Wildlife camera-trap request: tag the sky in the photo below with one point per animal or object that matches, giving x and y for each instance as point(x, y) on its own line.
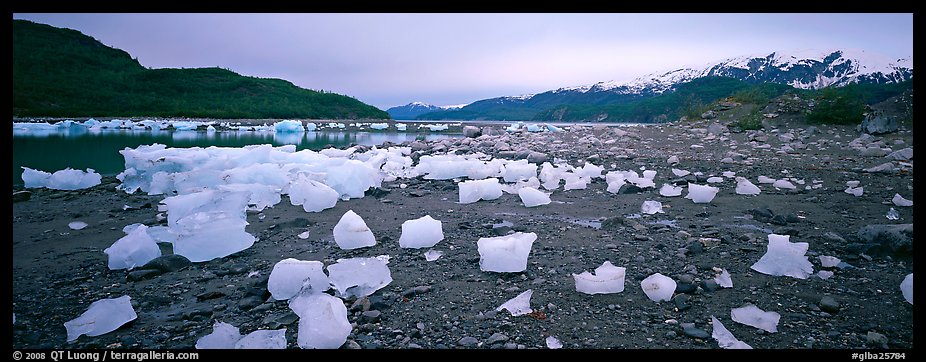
point(446, 59)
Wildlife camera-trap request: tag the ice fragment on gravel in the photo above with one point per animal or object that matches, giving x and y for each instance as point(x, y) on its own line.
point(263, 339)
point(701, 194)
point(77, 225)
point(751, 315)
point(892, 214)
point(827, 261)
point(132, 250)
point(824, 274)
point(519, 305)
point(607, 279)
point(432, 255)
point(784, 258)
point(680, 173)
point(906, 287)
point(855, 191)
point(651, 207)
point(423, 232)
point(223, 336)
point(66, 179)
point(724, 338)
point(359, 277)
point(901, 201)
point(553, 343)
point(744, 187)
point(723, 279)
point(472, 191)
point(658, 287)
point(519, 170)
point(505, 254)
point(303, 235)
point(291, 276)
point(549, 176)
point(670, 191)
point(766, 180)
point(715, 179)
point(784, 184)
point(323, 321)
point(314, 196)
point(672, 160)
point(574, 182)
point(532, 197)
point(103, 316)
point(351, 232)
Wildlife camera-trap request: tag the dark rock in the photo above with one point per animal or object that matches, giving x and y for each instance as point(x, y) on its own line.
point(191, 315)
point(236, 269)
point(497, 338)
point(167, 263)
point(508, 154)
point(686, 288)
point(263, 307)
point(351, 344)
point(779, 220)
point(886, 239)
point(690, 330)
point(380, 302)
point(249, 302)
point(876, 339)
point(421, 289)
point(695, 248)
point(128, 341)
point(905, 154)
point(829, 304)
point(137, 275)
point(377, 192)
point(471, 131)
point(681, 302)
point(709, 285)
point(708, 115)
point(877, 123)
point(629, 189)
point(716, 129)
point(468, 341)
point(417, 193)
point(20, 196)
point(360, 305)
point(371, 316)
point(501, 230)
point(209, 295)
point(762, 214)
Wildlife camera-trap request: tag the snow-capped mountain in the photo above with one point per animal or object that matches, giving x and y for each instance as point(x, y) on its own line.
point(414, 109)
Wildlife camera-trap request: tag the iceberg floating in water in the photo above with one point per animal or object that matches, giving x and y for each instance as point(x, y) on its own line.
point(223, 336)
point(519, 305)
point(700, 194)
point(724, 337)
point(751, 315)
point(900, 201)
point(351, 232)
point(744, 187)
point(532, 197)
point(263, 339)
point(423, 232)
point(906, 287)
point(505, 254)
point(323, 321)
point(670, 191)
point(132, 250)
point(66, 179)
point(607, 279)
point(359, 277)
point(472, 191)
point(103, 316)
point(784, 258)
point(288, 126)
point(651, 207)
point(658, 287)
point(291, 277)
point(379, 126)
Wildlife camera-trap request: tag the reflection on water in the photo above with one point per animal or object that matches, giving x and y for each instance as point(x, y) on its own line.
point(55, 148)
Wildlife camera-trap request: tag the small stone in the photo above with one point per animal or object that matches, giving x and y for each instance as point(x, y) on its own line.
point(167, 263)
point(829, 304)
point(248, 303)
point(468, 341)
point(497, 338)
point(690, 330)
point(687, 288)
point(263, 307)
point(681, 302)
point(371, 316)
point(421, 289)
point(834, 237)
point(537, 157)
point(709, 285)
point(209, 295)
point(876, 339)
point(137, 275)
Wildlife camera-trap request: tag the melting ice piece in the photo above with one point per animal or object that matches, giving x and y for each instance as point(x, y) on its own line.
point(892, 214)
point(607, 279)
point(314, 196)
point(589, 171)
point(77, 225)
point(552, 342)
point(475, 190)
point(900, 201)
point(532, 197)
point(715, 179)
point(519, 170)
point(906, 287)
point(549, 176)
point(323, 321)
point(784, 258)
point(824, 274)
point(505, 254)
point(724, 338)
point(263, 339)
point(291, 276)
point(66, 179)
point(303, 235)
point(103, 316)
point(132, 250)
point(651, 207)
point(432, 255)
point(423, 232)
point(766, 180)
point(680, 173)
point(204, 236)
point(519, 305)
point(649, 174)
point(359, 277)
point(751, 315)
point(744, 187)
point(701, 194)
point(351, 232)
point(670, 191)
point(288, 126)
point(723, 279)
point(223, 336)
point(783, 184)
point(853, 183)
point(658, 287)
point(855, 191)
point(729, 174)
point(827, 261)
point(574, 182)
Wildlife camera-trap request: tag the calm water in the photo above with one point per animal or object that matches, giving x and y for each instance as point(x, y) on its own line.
point(80, 149)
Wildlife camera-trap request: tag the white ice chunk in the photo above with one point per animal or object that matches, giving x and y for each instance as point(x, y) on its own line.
point(853, 183)
point(432, 255)
point(205, 236)
point(532, 197)
point(825, 274)
point(672, 160)
point(744, 187)
point(505, 254)
point(519, 305)
point(701, 194)
point(723, 279)
point(553, 343)
point(906, 287)
point(680, 173)
point(352, 232)
point(607, 279)
point(379, 126)
point(303, 235)
point(783, 184)
point(892, 214)
point(223, 336)
point(314, 196)
point(323, 321)
point(589, 171)
point(715, 179)
point(77, 225)
point(66, 179)
point(472, 191)
point(766, 180)
point(574, 182)
point(649, 174)
point(103, 316)
point(132, 250)
point(855, 191)
point(784, 258)
point(729, 174)
point(651, 207)
point(359, 277)
point(724, 337)
point(288, 126)
point(291, 276)
point(423, 232)
point(827, 261)
point(263, 339)
point(901, 201)
point(751, 315)
point(549, 176)
point(670, 190)
point(615, 180)
point(658, 287)
point(310, 126)
point(519, 170)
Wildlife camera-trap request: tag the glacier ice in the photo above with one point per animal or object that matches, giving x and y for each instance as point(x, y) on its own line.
point(751, 315)
point(744, 187)
point(827, 261)
point(670, 191)
point(680, 173)
point(651, 207)
point(615, 180)
point(714, 179)
point(658, 287)
point(824, 274)
point(103, 316)
point(589, 170)
point(607, 279)
point(351, 232)
point(766, 180)
point(132, 250)
point(532, 197)
point(783, 184)
point(303, 235)
point(379, 126)
point(311, 126)
point(901, 201)
point(892, 214)
point(432, 255)
point(66, 179)
point(223, 336)
point(784, 258)
point(553, 343)
point(401, 127)
point(519, 305)
point(472, 191)
point(314, 196)
point(291, 277)
point(288, 126)
point(323, 321)
point(723, 279)
point(263, 339)
point(77, 225)
point(359, 277)
point(724, 337)
point(204, 236)
point(505, 254)
point(574, 182)
point(701, 194)
point(855, 191)
point(423, 232)
point(519, 170)
point(906, 287)
point(549, 176)
point(649, 174)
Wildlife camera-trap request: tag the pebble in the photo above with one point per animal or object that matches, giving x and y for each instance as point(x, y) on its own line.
point(421, 289)
point(497, 338)
point(829, 304)
point(681, 302)
point(249, 302)
point(371, 316)
point(690, 330)
point(468, 341)
point(351, 344)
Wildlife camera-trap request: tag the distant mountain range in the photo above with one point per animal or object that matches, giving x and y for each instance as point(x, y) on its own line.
point(800, 70)
point(415, 109)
